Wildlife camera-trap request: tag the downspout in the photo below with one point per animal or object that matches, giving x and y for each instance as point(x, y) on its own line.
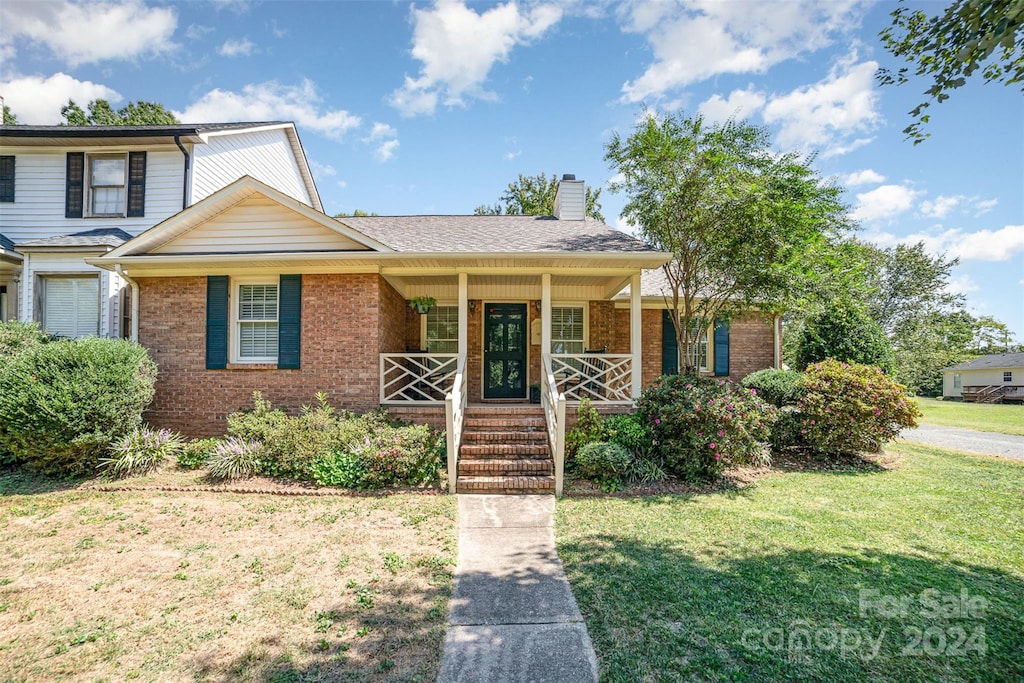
point(184, 178)
point(135, 300)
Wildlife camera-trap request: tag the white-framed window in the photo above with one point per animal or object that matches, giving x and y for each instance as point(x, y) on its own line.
point(441, 329)
point(108, 181)
point(568, 329)
point(957, 382)
point(70, 305)
point(254, 313)
point(700, 348)
point(1007, 376)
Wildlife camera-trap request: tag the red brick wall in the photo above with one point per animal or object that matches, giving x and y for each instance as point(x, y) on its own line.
point(603, 324)
point(393, 329)
point(342, 334)
point(475, 355)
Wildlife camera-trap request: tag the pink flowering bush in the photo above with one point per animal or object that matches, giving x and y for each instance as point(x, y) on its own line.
point(701, 425)
point(849, 408)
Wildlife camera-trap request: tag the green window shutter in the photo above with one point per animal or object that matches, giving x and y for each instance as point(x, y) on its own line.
point(7, 178)
point(669, 346)
point(75, 185)
point(721, 348)
point(216, 322)
point(136, 184)
point(289, 330)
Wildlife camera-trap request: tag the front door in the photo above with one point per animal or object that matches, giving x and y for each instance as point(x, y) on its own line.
point(505, 351)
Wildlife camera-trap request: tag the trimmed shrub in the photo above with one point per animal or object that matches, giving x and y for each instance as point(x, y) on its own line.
point(847, 333)
point(630, 431)
point(778, 387)
point(605, 463)
point(141, 451)
point(17, 337)
point(850, 407)
point(403, 455)
point(235, 458)
point(701, 425)
point(63, 403)
point(194, 454)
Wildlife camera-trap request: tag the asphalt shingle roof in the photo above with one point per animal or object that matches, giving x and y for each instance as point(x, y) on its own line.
point(992, 362)
point(99, 237)
point(487, 234)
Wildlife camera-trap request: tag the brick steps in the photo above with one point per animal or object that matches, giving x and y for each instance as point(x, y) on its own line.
point(504, 450)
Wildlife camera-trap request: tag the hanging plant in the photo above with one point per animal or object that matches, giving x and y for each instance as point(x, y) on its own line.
point(422, 304)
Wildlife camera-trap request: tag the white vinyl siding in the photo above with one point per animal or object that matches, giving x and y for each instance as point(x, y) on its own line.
point(567, 329)
point(442, 333)
point(256, 322)
point(39, 211)
point(71, 306)
point(957, 383)
point(108, 179)
point(265, 155)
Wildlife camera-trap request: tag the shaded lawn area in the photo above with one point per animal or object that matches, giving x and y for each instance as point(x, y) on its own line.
point(151, 585)
point(765, 582)
point(985, 417)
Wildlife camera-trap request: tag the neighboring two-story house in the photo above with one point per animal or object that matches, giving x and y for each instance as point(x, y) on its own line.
point(71, 193)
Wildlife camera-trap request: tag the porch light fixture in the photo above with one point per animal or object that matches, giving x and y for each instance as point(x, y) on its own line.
point(536, 304)
point(472, 306)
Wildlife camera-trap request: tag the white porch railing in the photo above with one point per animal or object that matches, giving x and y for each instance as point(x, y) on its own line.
point(424, 378)
point(455, 415)
point(553, 404)
point(601, 377)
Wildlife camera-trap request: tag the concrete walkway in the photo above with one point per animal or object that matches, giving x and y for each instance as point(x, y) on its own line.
point(512, 615)
point(970, 440)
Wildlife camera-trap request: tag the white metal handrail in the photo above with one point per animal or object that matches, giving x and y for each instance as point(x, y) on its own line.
point(455, 403)
point(416, 377)
point(601, 377)
point(553, 404)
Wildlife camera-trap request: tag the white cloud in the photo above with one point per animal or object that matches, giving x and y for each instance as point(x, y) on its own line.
point(512, 156)
point(980, 245)
point(321, 170)
point(381, 131)
point(983, 206)
point(866, 176)
point(237, 48)
point(90, 32)
point(741, 104)
point(942, 206)
point(342, 184)
point(961, 284)
point(830, 113)
point(272, 101)
point(385, 150)
point(457, 48)
point(37, 101)
point(197, 31)
point(694, 40)
point(884, 202)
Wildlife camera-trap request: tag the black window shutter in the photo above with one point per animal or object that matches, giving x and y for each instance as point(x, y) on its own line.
point(721, 348)
point(7, 178)
point(136, 184)
point(289, 322)
point(216, 322)
point(669, 346)
point(74, 193)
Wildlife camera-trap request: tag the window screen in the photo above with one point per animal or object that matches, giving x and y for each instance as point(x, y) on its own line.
point(106, 185)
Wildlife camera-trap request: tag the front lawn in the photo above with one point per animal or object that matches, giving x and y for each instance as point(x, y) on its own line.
point(909, 573)
point(199, 585)
point(985, 417)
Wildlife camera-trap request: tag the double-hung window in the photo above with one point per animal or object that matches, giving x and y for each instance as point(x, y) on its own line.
point(567, 329)
point(1007, 376)
point(70, 305)
point(107, 185)
point(442, 329)
point(700, 347)
point(256, 321)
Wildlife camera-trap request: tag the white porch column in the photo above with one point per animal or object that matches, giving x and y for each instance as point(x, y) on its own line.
point(463, 315)
point(635, 333)
point(545, 314)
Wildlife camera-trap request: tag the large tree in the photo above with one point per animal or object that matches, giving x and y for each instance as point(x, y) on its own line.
point(741, 221)
point(952, 46)
point(100, 113)
point(534, 195)
point(9, 118)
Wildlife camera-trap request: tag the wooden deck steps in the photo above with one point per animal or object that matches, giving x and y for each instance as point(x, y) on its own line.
point(505, 450)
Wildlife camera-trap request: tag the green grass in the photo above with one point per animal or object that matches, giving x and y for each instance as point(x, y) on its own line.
point(985, 417)
point(765, 582)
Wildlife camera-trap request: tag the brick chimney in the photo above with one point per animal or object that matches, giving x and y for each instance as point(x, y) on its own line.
point(570, 199)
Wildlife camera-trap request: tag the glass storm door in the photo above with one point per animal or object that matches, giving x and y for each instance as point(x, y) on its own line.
point(505, 351)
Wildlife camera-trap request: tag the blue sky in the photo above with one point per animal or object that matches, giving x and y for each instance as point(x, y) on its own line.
point(407, 108)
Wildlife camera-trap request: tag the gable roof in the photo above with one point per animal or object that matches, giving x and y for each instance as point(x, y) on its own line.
point(494, 234)
point(98, 237)
point(995, 361)
point(225, 199)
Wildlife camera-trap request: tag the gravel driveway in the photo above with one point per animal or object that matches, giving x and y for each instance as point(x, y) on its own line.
point(986, 443)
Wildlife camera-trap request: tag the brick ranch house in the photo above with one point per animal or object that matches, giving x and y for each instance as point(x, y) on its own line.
point(250, 289)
